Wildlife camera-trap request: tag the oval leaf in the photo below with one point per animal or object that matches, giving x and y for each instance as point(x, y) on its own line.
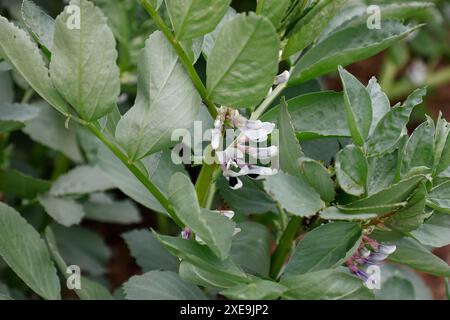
point(293, 194)
point(244, 61)
point(194, 18)
point(83, 66)
point(161, 285)
point(26, 253)
point(166, 100)
point(324, 248)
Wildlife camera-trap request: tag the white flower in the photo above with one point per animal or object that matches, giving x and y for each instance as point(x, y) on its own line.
point(256, 130)
point(233, 160)
point(282, 78)
point(262, 153)
point(216, 134)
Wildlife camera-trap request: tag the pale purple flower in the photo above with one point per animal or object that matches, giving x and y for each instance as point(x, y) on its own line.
point(186, 234)
point(370, 253)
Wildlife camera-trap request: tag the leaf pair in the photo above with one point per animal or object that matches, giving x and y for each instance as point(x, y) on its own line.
point(83, 71)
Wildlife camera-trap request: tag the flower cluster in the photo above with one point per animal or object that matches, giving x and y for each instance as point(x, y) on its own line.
point(370, 253)
point(242, 156)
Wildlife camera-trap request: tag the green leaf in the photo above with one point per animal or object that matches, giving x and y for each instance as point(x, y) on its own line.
point(439, 197)
point(84, 248)
point(48, 129)
point(22, 248)
point(156, 3)
point(293, 194)
point(210, 39)
point(244, 61)
point(103, 208)
point(251, 248)
point(39, 22)
point(352, 170)
point(194, 18)
point(204, 278)
point(397, 288)
point(15, 182)
point(325, 247)
point(214, 229)
point(161, 285)
point(65, 211)
point(345, 47)
point(148, 251)
point(421, 290)
point(411, 253)
point(13, 116)
point(319, 114)
point(275, 10)
point(250, 199)
point(358, 106)
point(311, 26)
point(416, 10)
point(325, 285)
point(81, 180)
point(83, 66)
point(382, 172)
point(387, 199)
point(258, 290)
point(193, 48)
point(380, 102)
point(324, 149)
point(6, 85)
point(4, 292)
point(333, 213)
point(319, 178)
point(419, 150)
point(24, 56)
point(435, 232)
point(442, 148)
point(290, 150)
point(392, 126)
point(159, 167)
point(201, 256)
point(166, 101)
point(412, 216)
point(89, 290)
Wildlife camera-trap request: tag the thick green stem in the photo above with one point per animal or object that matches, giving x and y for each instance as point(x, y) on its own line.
point(268, 101)
point(204, 183)
point(260, 7)
point(182, 55)
point(154, 190)
point(284, 246)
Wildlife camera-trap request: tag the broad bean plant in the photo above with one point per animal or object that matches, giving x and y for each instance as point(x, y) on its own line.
point(214, 124)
